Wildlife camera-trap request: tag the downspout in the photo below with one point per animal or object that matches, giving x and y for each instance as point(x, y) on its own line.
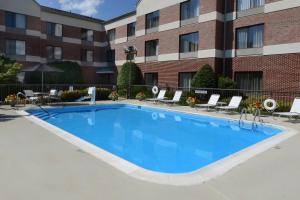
point(224, 38)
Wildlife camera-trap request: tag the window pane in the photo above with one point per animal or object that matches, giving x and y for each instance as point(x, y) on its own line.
point(189, 9)
point(20, 48)
point(90, 35)
point(131, 29)
point(111, 55)
point(242, 38)
point(20, 21)
point(152, 20)
point(89, 56)
point(249, 80)
point(58, 30)
point(50, 52)
point(185, 79)
point(10, 19)
point(111, 34)
point(152, 48)
point(10, 47)
point(151, 78)
point(250, 37)
point(57, 53)
point(248, 4)
point(189, 42)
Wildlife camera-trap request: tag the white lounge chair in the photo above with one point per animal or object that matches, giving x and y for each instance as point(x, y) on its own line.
point(175, 99)
point(233, 105)
point(294, 112)
point(213, 101)
point(54, 95)
point(161, 96)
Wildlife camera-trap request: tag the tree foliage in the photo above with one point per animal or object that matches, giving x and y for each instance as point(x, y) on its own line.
point(225, 82)
point(130, 73)
point(205, 78)
point(8, 70)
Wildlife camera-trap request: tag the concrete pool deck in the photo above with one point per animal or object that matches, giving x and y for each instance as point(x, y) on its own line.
point(36, 164)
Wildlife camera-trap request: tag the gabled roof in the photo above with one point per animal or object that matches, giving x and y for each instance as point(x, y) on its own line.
point(132, 13)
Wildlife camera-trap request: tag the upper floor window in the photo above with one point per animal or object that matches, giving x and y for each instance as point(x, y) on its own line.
point(131, 29)
point(248, 4)
point(111, 34)
point(15, 20)
point(111, 55)
point(189, 9)
point(54, 53)
point(152, 20)
point(87, 35)
point(87, 56)
point(250, 37)
point(189, 42)
point(151, 48)
point(54, 29)
point(15, 47)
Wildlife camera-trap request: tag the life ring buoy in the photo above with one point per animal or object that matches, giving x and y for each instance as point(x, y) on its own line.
point(154, 116)
point(155, 90)
point(270, 104)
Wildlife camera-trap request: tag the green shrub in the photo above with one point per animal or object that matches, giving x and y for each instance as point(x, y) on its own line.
point(101, 94)
point(226, 83)
point(8, 70)
point(70, 96)
point(130, 72)
point(204, 78)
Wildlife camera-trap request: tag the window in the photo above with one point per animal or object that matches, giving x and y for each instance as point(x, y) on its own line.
point(185, 79)
point(249, 80)
point(131, 56)
point(131, 29)
point(250, 37)
point(111, 34)
point(87, 56)
point(189, 9)
point(54, 29)
point(87, 35)
point(15, 47)
point(248, 4)
point(152, 20)
point(151, 78)
point(111, 54)
point(15, 20)
point(151, 48)
point(54, 53)
point(189, 42)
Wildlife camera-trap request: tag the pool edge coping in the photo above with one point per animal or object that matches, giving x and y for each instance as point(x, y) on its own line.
point(199, 176)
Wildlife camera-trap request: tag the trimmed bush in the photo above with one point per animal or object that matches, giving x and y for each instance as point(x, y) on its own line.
point(101, 94)
point(204, 78)
point(226, 83)
point(129, 72)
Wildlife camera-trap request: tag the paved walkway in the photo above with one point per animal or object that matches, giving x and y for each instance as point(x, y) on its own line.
point(37, 165)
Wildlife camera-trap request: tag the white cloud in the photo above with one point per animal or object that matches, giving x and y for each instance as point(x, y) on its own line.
point(84, 7)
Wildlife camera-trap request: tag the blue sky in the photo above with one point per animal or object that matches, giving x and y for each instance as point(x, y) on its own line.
point(101, 9)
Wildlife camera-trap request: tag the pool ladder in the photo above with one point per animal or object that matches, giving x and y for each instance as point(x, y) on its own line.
point(256, 118)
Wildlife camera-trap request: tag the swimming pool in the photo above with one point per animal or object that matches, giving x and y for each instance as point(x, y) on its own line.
point(156, 139)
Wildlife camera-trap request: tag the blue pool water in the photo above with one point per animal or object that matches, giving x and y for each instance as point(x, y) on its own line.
point(156, 139)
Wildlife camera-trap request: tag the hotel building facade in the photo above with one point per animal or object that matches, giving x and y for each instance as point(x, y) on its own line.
point(256, 42)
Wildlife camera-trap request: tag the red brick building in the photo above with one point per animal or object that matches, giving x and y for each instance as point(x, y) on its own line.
point(256, 42)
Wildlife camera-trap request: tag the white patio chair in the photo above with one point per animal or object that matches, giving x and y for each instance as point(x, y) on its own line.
point(175, 99)
point(234, 104)
point(294, 112)
point(213, 101)
point(161, 96)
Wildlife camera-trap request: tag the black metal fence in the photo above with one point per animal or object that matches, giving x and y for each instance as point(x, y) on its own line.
point(284, 98)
